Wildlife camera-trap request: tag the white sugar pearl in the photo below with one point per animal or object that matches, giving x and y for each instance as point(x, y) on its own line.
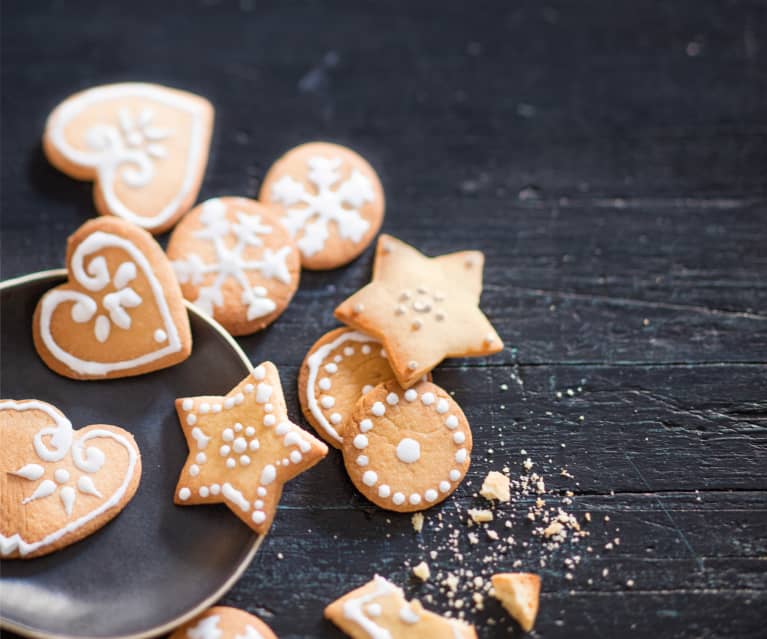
point(398, 499)
point(204, 491)
point(427, 399)
point(360, 442)
point(451, 421)
point(362, 460)
point(460, 456)
point(191, 419)
point(227, 435)
point(327, 401)
point(459, 437)
point(244, 460)
point(415, 499)
point(295, 456)
point(454, 475)
point(431, 495)
point(442, 406)
point(378, 409)
point(270, 420)
point(324, 384)
point(444, 486)
point(184, 494)
point(384, 491)
point(230, 463)
point(336, 418)
point(331, 368)
point(366, 425)
point(411, 395)
point(369, 478)
point(392, 399)
point(187, 404)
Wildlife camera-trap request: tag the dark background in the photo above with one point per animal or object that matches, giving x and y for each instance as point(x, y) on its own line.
point(610, 160)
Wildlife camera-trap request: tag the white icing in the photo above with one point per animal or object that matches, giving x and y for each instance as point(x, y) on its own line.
point(191, 419)
point(235, 496)
point(431, 495)
point(459, 437)
point(61, 437)
point(384, 491)
point(187, 404)
point(362, 460)
point(427, 399)
point(230, 264)
point(61, 475)
point(259, 372)
point(451, 421)
point(354, 608)
point(415, 499)
point(314, 363)
point(374, 610)
point(366, 425)
point(263, 393)
point(184, 494)
point(411, 395)
point(249, 633)
point(329, 201)
point(268, 475)
point(392, 399)
point(95, 278)
point(86, 486)
point(408, 615)
point(369, 478)
point(442, 406)
point(360, 442)
point(31, 472)
point(460, 455)
point(408, 450)
point(378, 409)
point(200, 438)
point(127, 150)
point(444, 486)
point(398, 499)
point(207, 628)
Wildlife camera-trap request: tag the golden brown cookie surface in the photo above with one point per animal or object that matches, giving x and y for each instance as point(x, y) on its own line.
point(144, 145)
point(59, 485)
point(329, 198)
point(519, 593)
point(120, 313)
point(422, 309)
point(407, 450)
point(379, 609)
point(223, 622)
point(243, 448)
point(236, 262)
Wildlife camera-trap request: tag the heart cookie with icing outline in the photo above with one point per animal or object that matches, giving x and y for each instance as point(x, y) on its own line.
point(144, 145)
point(121, 312)
point(58, 485)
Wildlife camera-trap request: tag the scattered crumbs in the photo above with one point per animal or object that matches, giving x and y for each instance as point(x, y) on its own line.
point(422, 571)
point(629, 583)
point(417, 521)
point(528, 464)
point(504, 387)
point(496, 486)
point(473, 538)
point(480, 516)
point(645, 322)
point(280, 555)
point(605, 572)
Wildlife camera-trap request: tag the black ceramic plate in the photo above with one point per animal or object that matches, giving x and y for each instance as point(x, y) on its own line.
point(156, 564)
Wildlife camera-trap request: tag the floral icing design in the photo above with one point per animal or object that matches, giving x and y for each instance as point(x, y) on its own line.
point(230, 263)
point(333, 200)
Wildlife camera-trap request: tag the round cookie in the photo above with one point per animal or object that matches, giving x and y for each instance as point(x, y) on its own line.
point(223, 622)
point(407, 450)
point(340, 367)
point(329, 198)
point(236, 262)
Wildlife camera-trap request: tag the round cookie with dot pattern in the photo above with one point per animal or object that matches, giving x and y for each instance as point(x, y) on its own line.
point(223, 622)
point(407, 450)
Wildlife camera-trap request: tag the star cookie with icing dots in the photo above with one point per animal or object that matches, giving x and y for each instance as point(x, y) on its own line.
point(422, 309)
point(243, 448)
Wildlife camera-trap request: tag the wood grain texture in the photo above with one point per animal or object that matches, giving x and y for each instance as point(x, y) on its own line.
point(609, 160)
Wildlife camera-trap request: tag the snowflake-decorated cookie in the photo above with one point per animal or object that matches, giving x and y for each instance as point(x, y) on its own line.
point(329, 198)
point(243, 448)
point(58, 484)
point(223, 622)
point(145, 146)
point(407, 450)
point(379, 610)
point(235, 262)
point(422, 309)
point(121, 313)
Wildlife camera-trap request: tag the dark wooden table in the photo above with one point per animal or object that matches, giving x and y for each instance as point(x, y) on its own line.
point(611, 162)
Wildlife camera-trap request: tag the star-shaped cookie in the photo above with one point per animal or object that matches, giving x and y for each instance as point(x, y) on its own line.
point(422, 309)
point(243, 448)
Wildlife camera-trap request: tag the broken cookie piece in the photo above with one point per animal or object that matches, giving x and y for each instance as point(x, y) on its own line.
point(496, 486)
point(519, 593)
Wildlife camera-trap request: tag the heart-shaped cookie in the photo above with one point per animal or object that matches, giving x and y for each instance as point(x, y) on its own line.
point(58, 485)
point(121, 313)
point(145, 146)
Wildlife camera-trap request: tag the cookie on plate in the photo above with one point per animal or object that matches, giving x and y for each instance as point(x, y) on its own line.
point(422, 309)
point(519, 593)
point(120, 313)
point(235, 262)
point(59, 485)
point(243, 448)
point(329, 198)
point(223, 622)
point(144, 145)
point(407, 450)
point(379, 609)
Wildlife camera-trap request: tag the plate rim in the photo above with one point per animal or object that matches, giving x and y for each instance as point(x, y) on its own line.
point(25, 630)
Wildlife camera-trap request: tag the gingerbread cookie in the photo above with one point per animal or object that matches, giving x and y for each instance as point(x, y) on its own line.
point(407, 450)
point(236, 262)
point(145, 146)
point(379, 610)
point(223, 622)
point(519, 593)
point(121, 313)
point(243, 448)
point(422, 309)
point(329, 198)
point(58, 485)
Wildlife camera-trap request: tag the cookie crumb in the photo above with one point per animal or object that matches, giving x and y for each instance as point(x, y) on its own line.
point(422, 571)
point(496, 486)
point(417, 520)
point(480, 516)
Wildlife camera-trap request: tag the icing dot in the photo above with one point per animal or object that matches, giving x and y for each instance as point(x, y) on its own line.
point(237, 427)
point(454, 475)
point(194, 470)
point(191, 419)
point(349, 351)
point(451, 421)
point(324, 384)
point(240, 445)
point(258, 517)
point(366, 389)
point(411, 395)
point(244, 460)
point(228, 402)
point(431, 495)
point(253, 444)
point(204, 491)
point(184, 494)
point(224, 450)
point(459, 437)
point(415, 499)
point(270, 420)
point(61, 475)
point(239, 398)
point(250, 431)
point(261, 491)
point(263, 393)
point(336, 418)
point(442, 406)
point(392, 399)
point(398, 499)
point(412, 364)
point(268, 408)
point(383, 354)
point(378, 409)
point(187, 404)
point(327, 401)
point(282, 428)
point(201, 458)
point(384, 491)
point(360, 442)
point(358, 308)
point(366, 425)
point(337, 359)
point(489, 338)
point(427, 399)
point(259, 373)
point(160, 336)
point(230, 463)
point(408, 450)
point(374, 610)
point(216, 408)
point(205, 407)
point(366, 349)
point(444, 486)
point(331, 368)
point(369, 478)
point(460, 456)
point(295, 456)
point(249, 388)
point(227, 435)
point(215, 489)
point(268, 475)
point(362, 460)
point(408, 616)
point(259, 503)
